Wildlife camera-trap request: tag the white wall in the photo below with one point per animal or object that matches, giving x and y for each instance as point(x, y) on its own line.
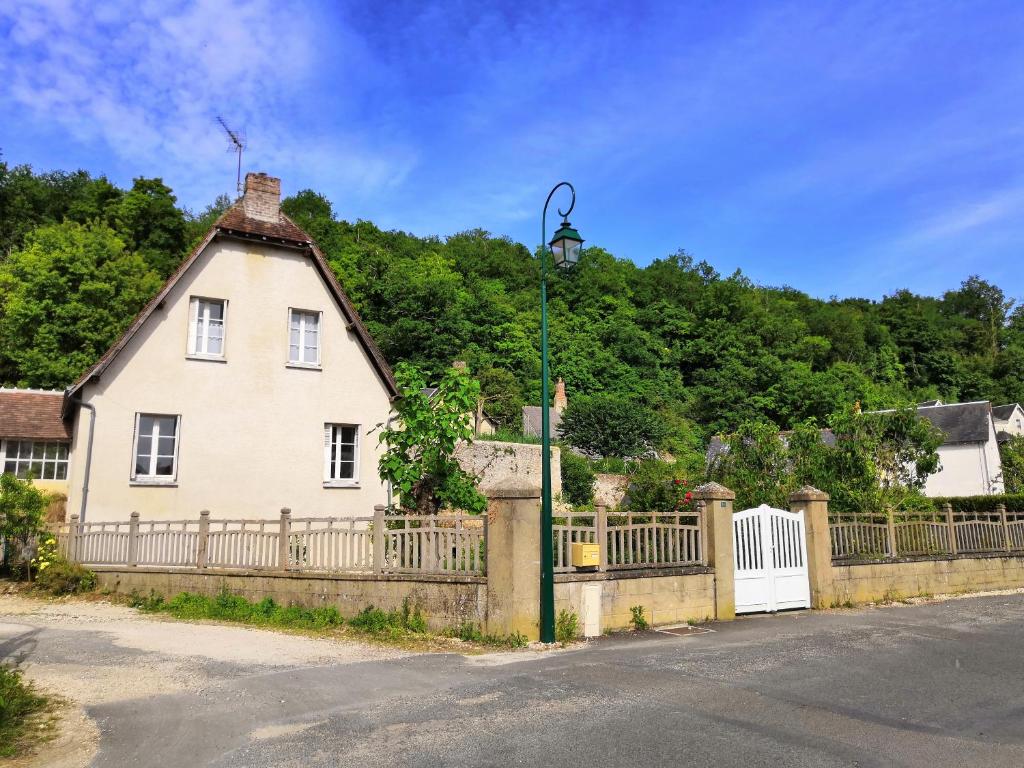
point(1014, 425)
point(251, 434)
point(969, 469)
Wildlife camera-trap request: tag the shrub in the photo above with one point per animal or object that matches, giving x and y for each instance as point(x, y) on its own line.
point(566, 627)
point(22, 506)
point(1014, 502)
point(577, 479)
point(377, 621)
point(608, 425)
point(61, 577)
point(639, 621)
point(471, 633)
point(18, 702)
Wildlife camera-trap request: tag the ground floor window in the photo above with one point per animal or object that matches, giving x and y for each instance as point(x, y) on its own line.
point(341, 454)
point(156, 447)
point(40, 460)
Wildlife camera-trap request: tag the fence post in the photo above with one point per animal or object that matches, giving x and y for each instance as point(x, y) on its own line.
point(814, 504)
point(483, 571)
point(1001, 509)
point(719, 547)
point(133, 539)
point(73, 539)
point(947, 509)
point(601, 536)
point(282, 539)
point(378, 538)
point(890, 530)
point(203, 540)
point(702, 523)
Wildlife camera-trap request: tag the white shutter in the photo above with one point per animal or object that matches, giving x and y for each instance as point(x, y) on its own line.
point(328, 434)
point(193, 322)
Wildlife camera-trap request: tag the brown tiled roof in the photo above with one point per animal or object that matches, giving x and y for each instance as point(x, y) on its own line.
point(234, 223)
point(29, 414)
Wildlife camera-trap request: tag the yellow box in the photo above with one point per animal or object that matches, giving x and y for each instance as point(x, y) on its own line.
point(584, 555)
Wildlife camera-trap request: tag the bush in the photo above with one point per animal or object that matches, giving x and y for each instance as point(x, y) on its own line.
point(607, 425)
point(639, 621)
point(377, 621)
point(1014, 502)
point(18, 702)
point(567, 627)
point(577, 479)
point(61, 577)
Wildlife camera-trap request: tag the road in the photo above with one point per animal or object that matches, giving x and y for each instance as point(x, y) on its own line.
point(940, 684)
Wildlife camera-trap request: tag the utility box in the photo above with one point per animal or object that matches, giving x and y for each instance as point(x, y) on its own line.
point(584, 555)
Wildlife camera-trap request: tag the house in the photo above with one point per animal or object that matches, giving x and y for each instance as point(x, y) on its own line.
point(1009, 420)
point(532, 414)
point(968, 456)
point(35, 441)
point(246, 385)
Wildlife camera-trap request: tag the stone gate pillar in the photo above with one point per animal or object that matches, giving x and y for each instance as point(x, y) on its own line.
point(718, 508)
point(814, 504)
point(513, 562)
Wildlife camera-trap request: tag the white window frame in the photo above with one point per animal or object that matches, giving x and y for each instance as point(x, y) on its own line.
point(329, 480)
point(300, 363)
point(56, 461)
point(194, 337)
point(152, 479)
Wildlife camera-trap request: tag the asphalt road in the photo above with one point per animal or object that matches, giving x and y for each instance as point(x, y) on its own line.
point(930, 685)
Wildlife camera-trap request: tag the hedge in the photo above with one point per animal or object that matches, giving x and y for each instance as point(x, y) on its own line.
point(1013, 502)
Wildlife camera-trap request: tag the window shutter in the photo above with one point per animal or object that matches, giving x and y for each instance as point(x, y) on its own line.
point(193, 322)
point(328, 474)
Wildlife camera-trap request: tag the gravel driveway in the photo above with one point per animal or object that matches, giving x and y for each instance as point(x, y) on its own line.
point(932, 685)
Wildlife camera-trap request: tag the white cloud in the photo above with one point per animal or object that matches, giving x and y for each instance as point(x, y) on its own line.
point(147, 80)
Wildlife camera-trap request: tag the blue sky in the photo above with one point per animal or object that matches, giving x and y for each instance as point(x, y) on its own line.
point(842, 148)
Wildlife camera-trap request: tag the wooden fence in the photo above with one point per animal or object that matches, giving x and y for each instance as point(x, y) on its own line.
point(377, 544)
point(888, 535)
point(633, 540)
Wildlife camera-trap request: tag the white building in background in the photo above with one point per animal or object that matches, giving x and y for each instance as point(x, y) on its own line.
point(1009, 420)
point(969, 455)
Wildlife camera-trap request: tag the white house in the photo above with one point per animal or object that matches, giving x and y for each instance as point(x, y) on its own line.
point(246, 385)
point(969, 455)
point(1009, 420)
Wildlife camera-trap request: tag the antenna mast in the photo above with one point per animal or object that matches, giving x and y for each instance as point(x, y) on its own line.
point(236, 143)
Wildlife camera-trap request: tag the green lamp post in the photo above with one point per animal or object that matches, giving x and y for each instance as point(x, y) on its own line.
point(565, 251)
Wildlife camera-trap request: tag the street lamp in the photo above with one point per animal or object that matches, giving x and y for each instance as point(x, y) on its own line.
point(565, 250)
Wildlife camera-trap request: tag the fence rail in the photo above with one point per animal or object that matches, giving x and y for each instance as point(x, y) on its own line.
point(882, 535)
point(377, 544)
point(633, 540)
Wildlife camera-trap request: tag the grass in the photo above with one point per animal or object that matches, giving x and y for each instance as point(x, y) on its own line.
point(405, 627)
point(20, 709)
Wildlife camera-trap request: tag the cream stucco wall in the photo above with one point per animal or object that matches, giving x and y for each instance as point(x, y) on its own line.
point(252, 428)
point(1013, 425)
point(968, 469)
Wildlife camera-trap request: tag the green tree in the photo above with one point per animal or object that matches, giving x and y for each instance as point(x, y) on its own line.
point(419, 458)
point(64, 298)
point(611, 426)
point(1011, 453)
point(150, 224)
point(577, 479)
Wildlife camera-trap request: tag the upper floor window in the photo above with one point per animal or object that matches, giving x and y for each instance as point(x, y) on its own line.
point(38, 460)
point(206, 327)
point(341, 454)
point(156, 448)
point(303, 337)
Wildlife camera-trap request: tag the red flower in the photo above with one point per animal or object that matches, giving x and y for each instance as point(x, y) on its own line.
point(689, 496)
point(677, 482)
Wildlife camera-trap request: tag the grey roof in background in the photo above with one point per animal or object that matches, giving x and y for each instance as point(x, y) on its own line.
point(1003, 412)
point(532, 417)
point(961, 422)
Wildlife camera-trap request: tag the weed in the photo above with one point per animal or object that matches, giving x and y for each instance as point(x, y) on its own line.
point(638, 621)
point(471, 633)
point(567, 627)
point(18, 703)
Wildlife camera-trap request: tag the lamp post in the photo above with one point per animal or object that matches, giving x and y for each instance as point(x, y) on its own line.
point(565, 251)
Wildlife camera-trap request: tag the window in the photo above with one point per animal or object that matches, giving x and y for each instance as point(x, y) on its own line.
point(40, 460)
point(341, 454)
point(303, 337)
point(206, 327)
point(156, 448)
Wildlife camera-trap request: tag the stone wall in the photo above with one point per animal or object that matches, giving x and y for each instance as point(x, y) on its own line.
point(878, 581)
point(501, 466)
point(610, 489)
point(444, 601)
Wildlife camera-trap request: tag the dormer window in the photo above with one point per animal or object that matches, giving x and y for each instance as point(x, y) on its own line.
point(206, 328)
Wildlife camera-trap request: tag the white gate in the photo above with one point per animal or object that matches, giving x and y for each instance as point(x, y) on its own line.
point(770, 556)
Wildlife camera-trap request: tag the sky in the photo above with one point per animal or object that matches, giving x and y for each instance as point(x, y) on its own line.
point(844, 149)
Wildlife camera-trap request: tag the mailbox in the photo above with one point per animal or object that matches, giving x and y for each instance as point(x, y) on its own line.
point(584, 555)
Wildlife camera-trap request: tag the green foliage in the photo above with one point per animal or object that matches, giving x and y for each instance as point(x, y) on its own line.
point(567, 627)
point(1012, 454)
point(609, 425)
point(228, 607)
point(420, 444)
point(376, 621)
point(22, 509)
point(638, 620)
point(1014, 502)
point(471, 633)
point(18, 703)
point(657, 486)
point(58, 576)
point(577, 479)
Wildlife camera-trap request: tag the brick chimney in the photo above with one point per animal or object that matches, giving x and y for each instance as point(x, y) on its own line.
point(561, 401)
point(262, 198)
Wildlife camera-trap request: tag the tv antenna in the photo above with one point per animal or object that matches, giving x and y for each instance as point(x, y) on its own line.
point(236, 143)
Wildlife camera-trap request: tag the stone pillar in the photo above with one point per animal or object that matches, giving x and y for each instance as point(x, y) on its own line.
point(203, 539)
point(718, 547)
point(814, 504)
point(133, 538)
point(283, 539)
point(513, 562)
